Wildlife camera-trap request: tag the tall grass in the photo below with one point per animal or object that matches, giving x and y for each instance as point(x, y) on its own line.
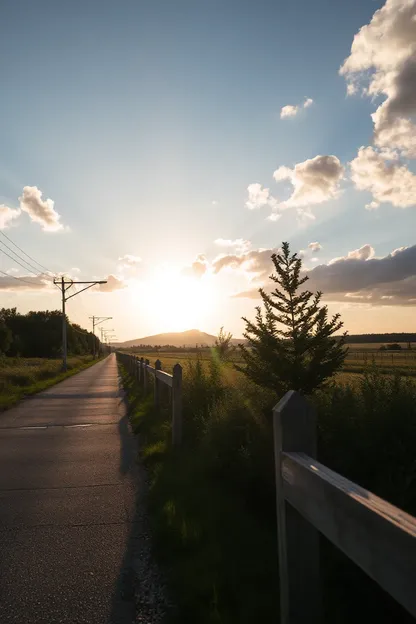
point(212, 502)
point(20, 377)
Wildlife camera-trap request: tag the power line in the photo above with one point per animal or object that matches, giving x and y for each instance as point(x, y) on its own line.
point(64, 286)
point(23, 260)
point(22, 265)
point(19, 279)
point(23, 252)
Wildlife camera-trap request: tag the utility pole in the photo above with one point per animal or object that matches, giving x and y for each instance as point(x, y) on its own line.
point(64, 286)
point(97, 320)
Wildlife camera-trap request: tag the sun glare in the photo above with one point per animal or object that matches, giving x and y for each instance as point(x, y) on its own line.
point(174, 302)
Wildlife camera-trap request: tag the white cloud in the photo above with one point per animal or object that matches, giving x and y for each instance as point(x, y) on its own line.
point(315, 247)
point(113, 283)
point(363, 253)
point(383, 62)
point(291, 110)
point(258, 197)
point(238, 244)
point(39, 210)
point(23, 282)
point(388, 182)
point(257, 262)
point(198, 268)
point(314, 181)
point(7, 215)
point(129, 260)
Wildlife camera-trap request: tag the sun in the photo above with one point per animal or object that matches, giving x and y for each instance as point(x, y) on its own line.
point(172, 301)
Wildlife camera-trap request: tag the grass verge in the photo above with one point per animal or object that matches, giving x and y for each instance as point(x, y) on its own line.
point(12, 393)
point(218, 555)
point(212, 501)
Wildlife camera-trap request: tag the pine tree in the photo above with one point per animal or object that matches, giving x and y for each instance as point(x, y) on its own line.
point(291, 345)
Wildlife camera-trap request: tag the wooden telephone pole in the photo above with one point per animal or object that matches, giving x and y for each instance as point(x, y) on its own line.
point(65, 285)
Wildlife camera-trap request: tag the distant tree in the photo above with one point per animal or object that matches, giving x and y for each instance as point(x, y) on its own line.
point(223, 345)
point(6, 338)
point(291, 345)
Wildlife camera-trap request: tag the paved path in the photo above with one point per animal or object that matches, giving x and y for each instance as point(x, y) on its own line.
point(67, 500)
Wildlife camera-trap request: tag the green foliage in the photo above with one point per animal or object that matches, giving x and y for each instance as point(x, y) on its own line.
point(291, 345)
point(212, 502)
point(5, 337)
point(22, 377)
point(223, 347)
point(39, 334)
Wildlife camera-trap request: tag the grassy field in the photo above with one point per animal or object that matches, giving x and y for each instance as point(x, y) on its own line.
point(356, 361)
point(21, 377)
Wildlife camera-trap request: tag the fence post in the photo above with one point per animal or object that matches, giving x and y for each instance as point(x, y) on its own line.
point(146, 376)
point(177, 405)
point(158, 366)
point(294, 425)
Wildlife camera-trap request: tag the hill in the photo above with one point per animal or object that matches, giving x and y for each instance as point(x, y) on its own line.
point(189, 338)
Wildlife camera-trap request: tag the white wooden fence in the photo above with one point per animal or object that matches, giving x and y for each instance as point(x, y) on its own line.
point(377, 536)
point(140, 369)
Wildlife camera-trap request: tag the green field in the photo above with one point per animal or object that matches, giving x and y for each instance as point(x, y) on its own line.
point(21, 377)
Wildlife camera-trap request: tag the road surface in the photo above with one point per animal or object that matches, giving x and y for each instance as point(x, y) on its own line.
point(67, 504)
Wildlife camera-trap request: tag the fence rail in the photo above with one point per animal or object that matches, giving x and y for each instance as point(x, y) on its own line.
point(140, 369)
point(377, 536)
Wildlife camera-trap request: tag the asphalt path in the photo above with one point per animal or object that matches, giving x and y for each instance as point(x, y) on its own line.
point(67, 504)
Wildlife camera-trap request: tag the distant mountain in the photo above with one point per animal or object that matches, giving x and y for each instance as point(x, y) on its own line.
point(189, 338)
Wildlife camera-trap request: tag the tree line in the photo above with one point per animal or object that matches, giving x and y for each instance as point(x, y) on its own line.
point(39, 334)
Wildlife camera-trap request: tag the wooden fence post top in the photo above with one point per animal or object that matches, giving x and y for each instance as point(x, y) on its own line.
point(158, 365)
point(177, 370)
point(295, 422)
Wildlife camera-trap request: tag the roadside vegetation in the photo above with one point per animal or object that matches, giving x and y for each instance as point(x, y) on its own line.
point(22, 377)
point(212, 501)
point(39, 335)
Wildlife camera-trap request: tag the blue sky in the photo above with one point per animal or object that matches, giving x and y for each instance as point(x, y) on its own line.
point(145, 122)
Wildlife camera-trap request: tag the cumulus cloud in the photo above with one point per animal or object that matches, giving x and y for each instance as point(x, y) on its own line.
point(314, 181)
point(239, 244)
point(23, 282)
point(113, 283)
point(257, 262)
point(40, 210)
point(361, 277)
point(129, 260)
point(387, 181)
point(198, 268)
point(7, 215)
point(382, 62)
point(315, 247)
point(291, 110)
point(363, 253)
point(258, 197)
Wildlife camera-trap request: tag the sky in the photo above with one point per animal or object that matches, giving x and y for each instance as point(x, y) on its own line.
point(170, 147)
